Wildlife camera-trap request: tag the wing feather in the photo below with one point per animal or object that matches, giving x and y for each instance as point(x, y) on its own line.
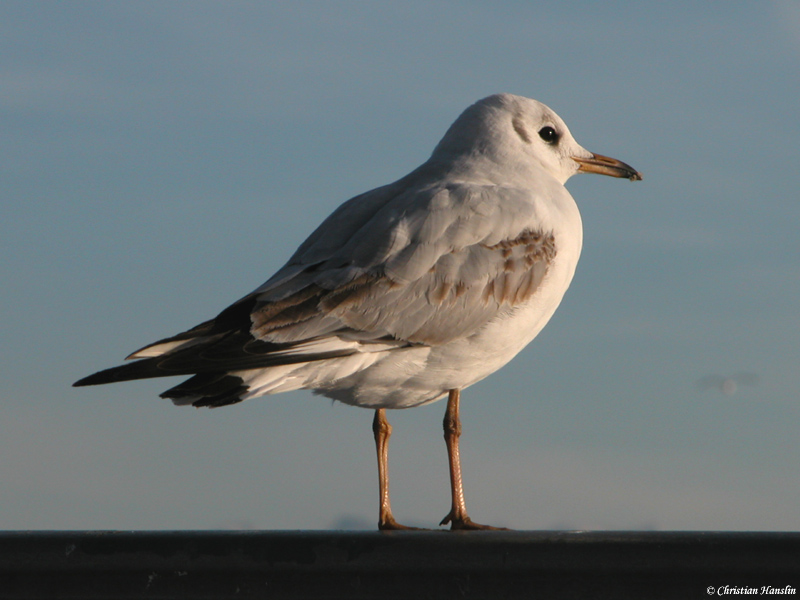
point(409, 288)
point(401, 265)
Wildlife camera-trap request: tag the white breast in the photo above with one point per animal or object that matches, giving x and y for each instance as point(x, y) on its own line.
point(419, 375)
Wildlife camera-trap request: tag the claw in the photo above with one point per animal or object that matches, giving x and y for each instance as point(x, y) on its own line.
point(467, 524)
point(389, 524)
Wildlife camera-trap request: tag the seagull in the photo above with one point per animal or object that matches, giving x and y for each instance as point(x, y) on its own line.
point(409, 292)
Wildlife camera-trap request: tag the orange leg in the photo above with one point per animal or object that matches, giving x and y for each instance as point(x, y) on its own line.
point(383, 431)
point(452, 431)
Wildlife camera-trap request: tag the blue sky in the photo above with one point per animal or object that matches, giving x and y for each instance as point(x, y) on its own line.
point(160, 160)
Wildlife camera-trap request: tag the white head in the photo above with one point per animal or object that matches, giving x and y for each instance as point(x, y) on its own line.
point(523, 134)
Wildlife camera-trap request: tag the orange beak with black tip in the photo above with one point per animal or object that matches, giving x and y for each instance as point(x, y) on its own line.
point(605, 165)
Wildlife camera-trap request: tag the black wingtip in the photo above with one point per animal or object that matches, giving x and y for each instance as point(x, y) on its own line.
point(90, 380)
point(210, 390)
point(111, 375)
point(140, 369)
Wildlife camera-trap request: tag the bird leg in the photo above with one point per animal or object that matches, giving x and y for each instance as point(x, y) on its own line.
point(383, 431)
point(452, 431)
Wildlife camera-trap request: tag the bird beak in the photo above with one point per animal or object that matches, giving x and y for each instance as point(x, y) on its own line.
point(604, 165)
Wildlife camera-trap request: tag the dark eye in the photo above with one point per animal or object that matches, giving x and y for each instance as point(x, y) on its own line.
point(548, 134)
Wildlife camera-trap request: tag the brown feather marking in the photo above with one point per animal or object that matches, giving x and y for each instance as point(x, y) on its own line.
point(291, 315)
point(440, 292)
point(525, 260)
point(488, 291)
point(350, 295)
point(524, 290)
point(266, 316)
point(522, 253)
point(312, 301)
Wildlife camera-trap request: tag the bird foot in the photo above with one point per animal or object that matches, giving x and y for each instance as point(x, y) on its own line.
point(467, 524)
point(389, 524)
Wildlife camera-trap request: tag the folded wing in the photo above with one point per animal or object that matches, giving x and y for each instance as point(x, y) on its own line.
point(399, 266)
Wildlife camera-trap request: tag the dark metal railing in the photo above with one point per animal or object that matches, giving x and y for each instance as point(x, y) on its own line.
point(285, 564)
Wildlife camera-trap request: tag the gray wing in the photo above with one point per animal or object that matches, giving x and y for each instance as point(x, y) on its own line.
point(425, 266)
point(398, 266)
